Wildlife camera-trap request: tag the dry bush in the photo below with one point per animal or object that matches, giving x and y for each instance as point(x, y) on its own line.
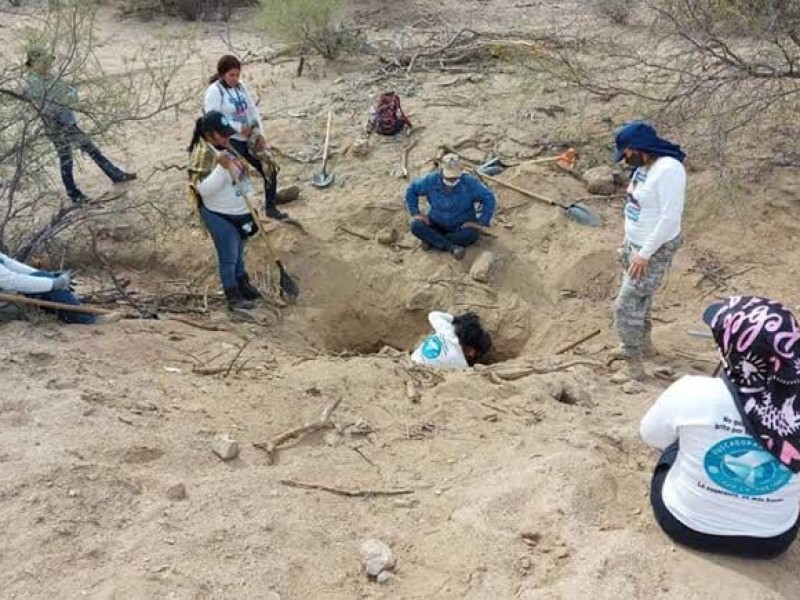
point(190, 10)
point(309, 25)
point(616, 11)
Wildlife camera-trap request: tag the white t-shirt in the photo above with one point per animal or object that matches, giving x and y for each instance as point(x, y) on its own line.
point(655, 205)
point(442, 349)
point(235, 103)
point(220, 195)
point(723, 482)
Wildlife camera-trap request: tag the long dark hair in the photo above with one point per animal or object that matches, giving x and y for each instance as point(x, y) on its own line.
point(226, 63)
point(471, 334)
point(196, 134)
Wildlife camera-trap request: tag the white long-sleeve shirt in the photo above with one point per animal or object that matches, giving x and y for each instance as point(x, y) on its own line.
point(442, 349)
point(16, 277)
point(723, 481)
point(235, 103)
point(221, 195)
point(654, 209)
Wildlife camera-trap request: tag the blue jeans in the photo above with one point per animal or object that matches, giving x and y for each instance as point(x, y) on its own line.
point(270, 183)
point(64, 297)
point(442, 238)
point(64, 138)
point(229, 244)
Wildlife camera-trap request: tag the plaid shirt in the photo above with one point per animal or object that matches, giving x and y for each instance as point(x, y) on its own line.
point(201, 162)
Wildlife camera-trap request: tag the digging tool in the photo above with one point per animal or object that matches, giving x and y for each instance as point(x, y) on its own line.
point(323, 179)
point(81, 308)
point(566, 159)
point(577, 211)
point(406, 151)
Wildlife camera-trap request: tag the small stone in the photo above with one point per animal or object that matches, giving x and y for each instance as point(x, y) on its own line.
point(386, 236)
point(332, 439)
point(176, 492)
point(633, 387)
point(359, 148)
point(377, 557)
point(619, 377)
point(72, 493)
point(562, 553)
point(405, 503)
point(225, 447)
point(600, 180)
point(383, 577)
point(525, 563)
point(421, 299)
point(482, 267)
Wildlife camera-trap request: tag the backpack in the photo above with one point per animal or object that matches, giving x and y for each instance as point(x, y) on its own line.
point(386, 116)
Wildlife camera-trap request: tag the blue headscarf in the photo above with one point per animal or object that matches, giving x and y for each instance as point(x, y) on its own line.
point(641, 136)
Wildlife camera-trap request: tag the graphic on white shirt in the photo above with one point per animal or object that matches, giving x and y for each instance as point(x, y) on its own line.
point(633, 208)
point(442, 348)
point(741, 466)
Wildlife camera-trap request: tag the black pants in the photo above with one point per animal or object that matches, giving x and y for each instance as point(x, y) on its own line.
point(270, 183)
point(742, 546)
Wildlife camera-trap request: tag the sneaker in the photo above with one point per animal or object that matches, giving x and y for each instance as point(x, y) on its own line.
point(126, 177)
point(459, 252)
point(287, 195)
point(632, 371)
point(274, 213)
point(79, 198)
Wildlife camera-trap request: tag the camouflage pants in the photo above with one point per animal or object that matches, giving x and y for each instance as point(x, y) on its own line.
point(635, 298)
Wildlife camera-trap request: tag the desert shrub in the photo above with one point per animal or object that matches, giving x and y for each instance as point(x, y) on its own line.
point(190, 10)
point(309, 25)
point(616, 11)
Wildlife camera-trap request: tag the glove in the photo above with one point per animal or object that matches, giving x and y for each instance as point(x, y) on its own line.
point(62, 282)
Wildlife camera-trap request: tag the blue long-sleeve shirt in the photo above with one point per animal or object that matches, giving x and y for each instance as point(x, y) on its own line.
point(451, 207)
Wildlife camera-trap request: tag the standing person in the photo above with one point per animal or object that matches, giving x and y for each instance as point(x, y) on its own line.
point(727, 481)
point(458, 341)
point(222, 206)
point(452, 222)
point(19, 278)
point(53, 99)
point(229, 95)
point(653, 215)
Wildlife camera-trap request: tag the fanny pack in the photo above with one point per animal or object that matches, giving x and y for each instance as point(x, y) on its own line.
point(245, 224)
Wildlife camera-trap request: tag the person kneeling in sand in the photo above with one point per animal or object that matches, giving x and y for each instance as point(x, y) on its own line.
point(457, 342)
point(727, 481)
point(19, 278)
point(460, 205)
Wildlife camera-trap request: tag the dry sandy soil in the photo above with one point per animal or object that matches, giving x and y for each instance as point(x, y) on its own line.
point(98, 424)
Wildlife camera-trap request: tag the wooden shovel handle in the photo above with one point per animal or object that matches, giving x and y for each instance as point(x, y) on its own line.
point(519, 190)
point(327, 142)
point(83, 309)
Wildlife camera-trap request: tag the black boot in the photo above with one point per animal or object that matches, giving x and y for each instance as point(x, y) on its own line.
point(236, 301)
point(247, 290)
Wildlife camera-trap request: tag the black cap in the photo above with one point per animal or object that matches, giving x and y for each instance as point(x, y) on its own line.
point(217, 122)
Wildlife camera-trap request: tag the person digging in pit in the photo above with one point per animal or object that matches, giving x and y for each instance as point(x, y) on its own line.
point(19, 278)
point(458, 342)
point(653, 213)
point(221, 204)
point(459, 206)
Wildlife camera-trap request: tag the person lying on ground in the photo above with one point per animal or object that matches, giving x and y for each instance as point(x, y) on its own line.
point(222, 205)
point(459, 206)
point(19, 278)
point(54, 100)
point(727, 481)
point(457, 342)
point(653, 214)
point(228, 94)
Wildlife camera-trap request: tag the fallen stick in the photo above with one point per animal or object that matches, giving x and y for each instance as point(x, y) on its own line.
point(271, 447)
point(406, 151)
point(82, 308)
point(342, 492)
point(585, 338)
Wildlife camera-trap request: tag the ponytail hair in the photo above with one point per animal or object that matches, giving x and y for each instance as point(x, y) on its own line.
point(226, 63)
point(196, 134)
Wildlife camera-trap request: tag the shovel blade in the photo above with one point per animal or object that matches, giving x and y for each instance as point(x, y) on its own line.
point(322, 180)
point(582, 214)
point(288, 285)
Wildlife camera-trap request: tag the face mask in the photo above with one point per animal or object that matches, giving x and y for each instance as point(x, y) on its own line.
point(635, 160)
point(450, 182)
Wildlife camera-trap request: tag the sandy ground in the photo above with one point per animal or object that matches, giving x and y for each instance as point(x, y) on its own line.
point(99, 424)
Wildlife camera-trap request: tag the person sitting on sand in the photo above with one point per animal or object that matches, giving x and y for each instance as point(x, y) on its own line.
point(457, 342)
point(19, 278)
point(727, 481)
point(460, 205)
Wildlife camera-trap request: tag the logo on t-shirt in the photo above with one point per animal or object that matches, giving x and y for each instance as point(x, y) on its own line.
point(740, 465)
point(432, 347)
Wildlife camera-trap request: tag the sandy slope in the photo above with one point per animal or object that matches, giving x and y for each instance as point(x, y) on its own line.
point(96, 424)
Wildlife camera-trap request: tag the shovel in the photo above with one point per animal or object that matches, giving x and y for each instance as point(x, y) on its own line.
point(323, 180)
point(577, 211)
